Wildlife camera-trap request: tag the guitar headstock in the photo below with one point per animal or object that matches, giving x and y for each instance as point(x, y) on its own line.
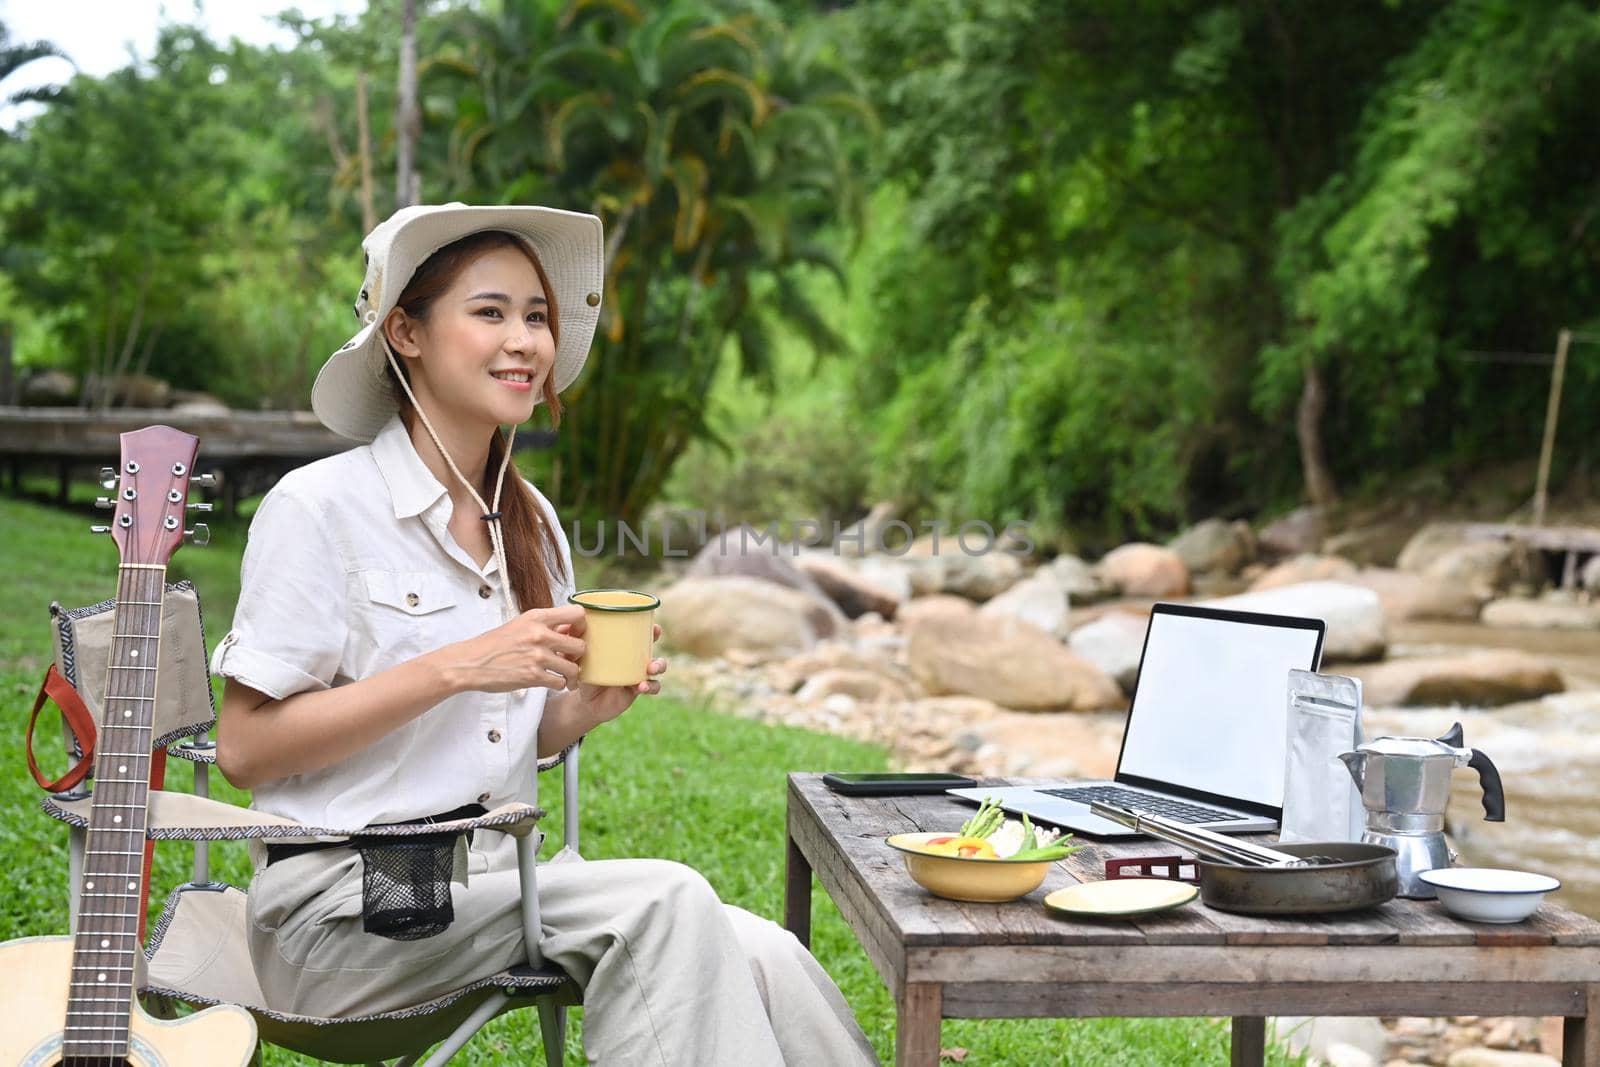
point(152, 486)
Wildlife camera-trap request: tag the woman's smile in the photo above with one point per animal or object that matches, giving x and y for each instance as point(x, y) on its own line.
point(520, 380)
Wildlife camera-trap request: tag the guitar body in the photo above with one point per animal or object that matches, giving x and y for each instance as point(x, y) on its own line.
point(34, 976)
point(33, 993)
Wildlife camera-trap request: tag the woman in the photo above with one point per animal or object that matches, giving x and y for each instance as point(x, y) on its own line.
point(403, 649)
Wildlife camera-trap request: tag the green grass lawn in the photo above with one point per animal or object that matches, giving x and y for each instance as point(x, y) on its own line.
point(667, 779)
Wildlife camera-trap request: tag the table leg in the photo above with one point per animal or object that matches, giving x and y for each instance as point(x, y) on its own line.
point(1249, 1041)
point(797, 894)
point(1580, 1036)
point(917, 1014)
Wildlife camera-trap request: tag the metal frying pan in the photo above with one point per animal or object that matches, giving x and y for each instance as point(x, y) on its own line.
point(1253, 880)
point(1364, 876)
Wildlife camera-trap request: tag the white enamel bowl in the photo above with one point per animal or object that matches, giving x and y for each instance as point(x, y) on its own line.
point(1489, 895)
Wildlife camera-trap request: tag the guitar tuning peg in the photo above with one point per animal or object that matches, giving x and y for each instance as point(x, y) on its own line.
point(204, 481)
point(108, 478)
point(105, 503)
point(200, 506)
point(200, 535)
point(99, 529)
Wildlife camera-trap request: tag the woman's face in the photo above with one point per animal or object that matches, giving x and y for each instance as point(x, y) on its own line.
point(482, 354)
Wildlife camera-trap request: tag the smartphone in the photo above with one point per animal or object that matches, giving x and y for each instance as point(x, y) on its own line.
point(895, 784)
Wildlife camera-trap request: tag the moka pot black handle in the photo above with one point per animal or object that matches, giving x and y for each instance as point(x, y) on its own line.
point(1494, 795)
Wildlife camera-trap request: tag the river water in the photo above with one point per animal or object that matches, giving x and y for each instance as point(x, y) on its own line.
point(1547, 752)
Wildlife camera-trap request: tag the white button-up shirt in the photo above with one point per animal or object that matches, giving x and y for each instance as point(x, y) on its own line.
point(350, 569)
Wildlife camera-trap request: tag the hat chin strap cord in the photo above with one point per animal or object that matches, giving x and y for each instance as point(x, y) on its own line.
point(491, 515)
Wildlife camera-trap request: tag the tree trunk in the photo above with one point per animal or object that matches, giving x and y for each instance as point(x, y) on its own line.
point(1308, 425)
point(369, 214)
point(8, 382)
point(408, 128)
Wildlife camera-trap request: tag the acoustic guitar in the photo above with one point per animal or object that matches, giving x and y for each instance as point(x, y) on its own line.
point(70, 1001)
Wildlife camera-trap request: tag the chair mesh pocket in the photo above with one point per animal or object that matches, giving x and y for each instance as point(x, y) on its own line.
point(405, 885)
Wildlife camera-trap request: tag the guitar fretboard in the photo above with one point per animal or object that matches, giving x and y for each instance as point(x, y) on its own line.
point(107, 947)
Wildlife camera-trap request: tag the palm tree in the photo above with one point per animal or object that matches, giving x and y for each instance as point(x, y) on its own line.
point(408, 123)
point(14, 55)
point(712, 148)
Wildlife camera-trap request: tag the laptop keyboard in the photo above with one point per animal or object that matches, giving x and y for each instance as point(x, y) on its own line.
point(1154, 803)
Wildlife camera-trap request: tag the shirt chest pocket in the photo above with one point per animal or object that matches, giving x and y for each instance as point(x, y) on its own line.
point(410, 612)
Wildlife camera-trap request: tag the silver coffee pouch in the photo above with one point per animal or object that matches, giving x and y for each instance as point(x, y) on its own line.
point(1320, 802)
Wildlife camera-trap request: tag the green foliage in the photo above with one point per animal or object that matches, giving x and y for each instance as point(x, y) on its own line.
point(135, 178)
point(149, 231)
point(708, 140)
point(1103, 245)
point(1461, 223)
point(788, 450)
point(1199, 199)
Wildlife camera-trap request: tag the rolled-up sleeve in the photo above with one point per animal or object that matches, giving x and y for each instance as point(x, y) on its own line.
point(290, 626)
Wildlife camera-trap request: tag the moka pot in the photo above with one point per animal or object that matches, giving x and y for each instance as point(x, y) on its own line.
point(1405, 787)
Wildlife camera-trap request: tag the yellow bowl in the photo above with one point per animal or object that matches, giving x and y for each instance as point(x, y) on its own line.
point(984, 881)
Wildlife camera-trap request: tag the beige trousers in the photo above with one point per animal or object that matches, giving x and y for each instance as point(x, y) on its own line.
point(670, 974)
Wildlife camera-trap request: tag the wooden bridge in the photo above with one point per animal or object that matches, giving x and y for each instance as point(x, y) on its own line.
point(1568, 545)
point(249, 449)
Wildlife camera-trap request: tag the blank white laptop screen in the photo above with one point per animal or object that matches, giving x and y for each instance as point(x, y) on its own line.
point(1211, 709)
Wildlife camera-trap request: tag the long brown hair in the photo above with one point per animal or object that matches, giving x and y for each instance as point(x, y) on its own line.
point(533, 554)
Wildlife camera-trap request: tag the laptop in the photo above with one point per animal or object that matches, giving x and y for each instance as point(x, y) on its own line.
point(1206, 737)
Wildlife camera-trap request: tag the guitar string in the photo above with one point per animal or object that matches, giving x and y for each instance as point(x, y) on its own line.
point(103, 961)
point(132, 579)
point(134, 737)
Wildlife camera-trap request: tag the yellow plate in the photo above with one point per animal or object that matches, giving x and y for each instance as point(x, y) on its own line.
point(1120, 897)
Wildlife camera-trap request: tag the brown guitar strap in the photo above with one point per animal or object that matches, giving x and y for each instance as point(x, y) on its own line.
point(75, 713)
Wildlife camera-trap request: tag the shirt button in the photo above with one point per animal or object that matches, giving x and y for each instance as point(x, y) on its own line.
point(412, 599)
point(494, 736)
point(485, 592)
point(483, 798)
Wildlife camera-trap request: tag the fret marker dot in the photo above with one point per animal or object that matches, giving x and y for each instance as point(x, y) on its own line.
point(128, 714)
point(88, 885)
point(133, 885)
point(105, 942)
point(123, 769)
point(134, 654)
point(101, 977)
point(116, 818)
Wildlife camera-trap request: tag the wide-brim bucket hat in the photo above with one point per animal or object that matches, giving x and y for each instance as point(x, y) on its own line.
point(353, 394)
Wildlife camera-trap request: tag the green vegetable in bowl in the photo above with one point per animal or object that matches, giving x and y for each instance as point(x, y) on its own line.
point(985, 821)
point(1052, 853)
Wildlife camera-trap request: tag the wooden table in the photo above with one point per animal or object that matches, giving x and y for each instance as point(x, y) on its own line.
point(944, 959)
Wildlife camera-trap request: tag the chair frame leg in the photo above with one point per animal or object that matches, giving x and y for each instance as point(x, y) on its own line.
point(569, 798)
point(202, 849)
point(553, 1030)
point(492, 1005)
point(76, 839)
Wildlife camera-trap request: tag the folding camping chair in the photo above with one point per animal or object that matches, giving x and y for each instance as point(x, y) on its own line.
point(198, 953)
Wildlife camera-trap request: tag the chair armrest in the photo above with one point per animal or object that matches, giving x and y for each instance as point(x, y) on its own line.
point(560, 757)
point(195, 750)
point(184, 817)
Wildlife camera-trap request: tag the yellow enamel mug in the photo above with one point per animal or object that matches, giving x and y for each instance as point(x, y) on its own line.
point(619, 628)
